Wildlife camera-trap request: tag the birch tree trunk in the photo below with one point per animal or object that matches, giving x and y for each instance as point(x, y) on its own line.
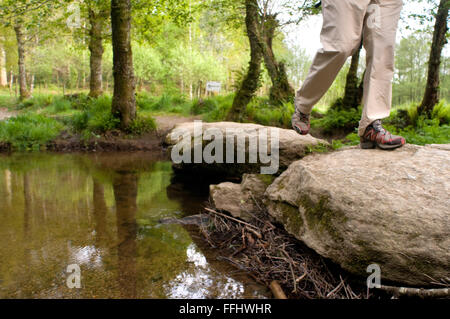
point(96, 50)
point(24, 93)
point(124, 100)
point(3, 75)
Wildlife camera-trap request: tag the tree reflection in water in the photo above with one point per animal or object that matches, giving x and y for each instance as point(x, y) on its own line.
point(125, 187)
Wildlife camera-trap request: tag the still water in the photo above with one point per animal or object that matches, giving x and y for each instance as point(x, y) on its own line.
point(102, 213)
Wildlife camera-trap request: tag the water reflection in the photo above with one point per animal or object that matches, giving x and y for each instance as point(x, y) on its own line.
point(101, 212)
point(125, 186)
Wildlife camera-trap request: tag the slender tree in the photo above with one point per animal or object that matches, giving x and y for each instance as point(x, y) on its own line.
point(98, 15)
point(251, 81)
point(351, 97)
point(281, 90)
point(3, 75)
point(262, 23)
point(27, 18)
point(124, 100)
point(20, 36)
point(431, 97)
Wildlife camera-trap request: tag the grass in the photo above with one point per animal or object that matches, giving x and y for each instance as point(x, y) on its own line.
point(167, 103)
point(29, 131)
point(44, 117)
point(80, 114)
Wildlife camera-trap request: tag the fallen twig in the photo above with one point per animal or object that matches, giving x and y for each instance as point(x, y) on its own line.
point(277, 291)
point(417, 292)
point(232, 218)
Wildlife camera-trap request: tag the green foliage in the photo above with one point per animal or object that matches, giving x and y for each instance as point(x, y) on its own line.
point(336, 119)
point(221, 111)
point(145, 101)
point(442, 112)
point(425, 132)
point(204, 106)
point(211, 104)
point(262, 112)
point(6, 101)
point(97, 117)
point(167, 103)
point(29, 131)
point(406, 115)
point(319, 148)
point(25, 104)
point(143, 124)
point(61, 105)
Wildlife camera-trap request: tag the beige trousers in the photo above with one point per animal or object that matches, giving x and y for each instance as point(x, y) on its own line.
point(344, 23)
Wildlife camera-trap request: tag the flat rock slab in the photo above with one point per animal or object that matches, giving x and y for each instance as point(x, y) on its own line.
point(291, 146)
point(362, 207)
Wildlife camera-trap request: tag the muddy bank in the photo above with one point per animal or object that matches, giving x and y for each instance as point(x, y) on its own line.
point(110, 142)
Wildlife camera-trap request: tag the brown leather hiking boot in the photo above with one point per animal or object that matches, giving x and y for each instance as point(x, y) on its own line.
point(301, 122)
point(376, 135)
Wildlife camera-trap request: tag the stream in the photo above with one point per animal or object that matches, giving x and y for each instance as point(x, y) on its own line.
point(101, 213)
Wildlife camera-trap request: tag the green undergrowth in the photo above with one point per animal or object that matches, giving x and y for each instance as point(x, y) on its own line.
point(90, 117)
point(29, 131)
point(43, 118)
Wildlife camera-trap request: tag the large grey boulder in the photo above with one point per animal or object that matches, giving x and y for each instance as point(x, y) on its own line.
point(291, 147)
point(362, 207)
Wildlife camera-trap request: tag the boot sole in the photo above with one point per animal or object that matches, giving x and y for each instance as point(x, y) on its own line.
point(372, 145)
point(299, 131)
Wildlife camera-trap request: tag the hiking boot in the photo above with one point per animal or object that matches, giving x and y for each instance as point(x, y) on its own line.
point(301, 122)
point(376, 135)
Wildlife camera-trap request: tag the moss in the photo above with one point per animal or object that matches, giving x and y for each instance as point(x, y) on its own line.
point(321, 217)
point(266, 179)
point(319, 148)
point(290, 217)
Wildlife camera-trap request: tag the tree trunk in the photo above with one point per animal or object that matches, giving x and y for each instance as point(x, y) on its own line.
point(350, 100)
point(360, 95)
point(124, 100)
point(21, 53)
point(11, 82)
point(281, 91)
point(3, 75)
point(431, 97)
point(251, 81)
point(96, 50)
point(32, 84)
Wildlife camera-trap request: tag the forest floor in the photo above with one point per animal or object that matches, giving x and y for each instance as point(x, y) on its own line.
point(5, 114)
point(167, 122)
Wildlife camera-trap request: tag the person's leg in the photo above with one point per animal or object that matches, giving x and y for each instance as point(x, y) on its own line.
point(379, 36)
point(340, 37)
